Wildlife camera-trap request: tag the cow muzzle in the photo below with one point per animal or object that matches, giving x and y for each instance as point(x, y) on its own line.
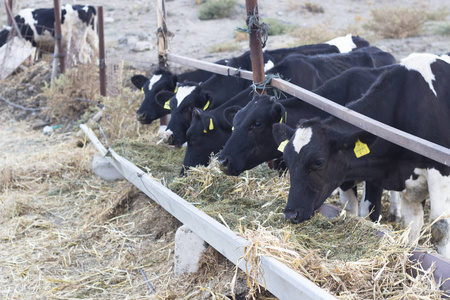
point(294, 216)
point(142, 118)
point(225, 166)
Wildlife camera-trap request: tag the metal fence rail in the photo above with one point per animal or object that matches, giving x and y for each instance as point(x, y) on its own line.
point(389, 133)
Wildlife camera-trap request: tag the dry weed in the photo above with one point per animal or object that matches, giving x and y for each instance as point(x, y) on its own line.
point(396, 21)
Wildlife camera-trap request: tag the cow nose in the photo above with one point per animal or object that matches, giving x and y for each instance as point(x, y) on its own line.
point(292, 216)
point(140, 116)
point(223, 161)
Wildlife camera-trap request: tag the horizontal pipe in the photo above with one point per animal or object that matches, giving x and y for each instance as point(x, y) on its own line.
point(416, 144)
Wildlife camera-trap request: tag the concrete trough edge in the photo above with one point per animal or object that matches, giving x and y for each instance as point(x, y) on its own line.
point(280, 280)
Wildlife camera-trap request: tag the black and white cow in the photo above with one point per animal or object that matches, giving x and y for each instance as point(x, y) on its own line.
point(161, 80)
point(414, 96)
point(252, 143)
point(306, 71)
point(162, 85)
point(38, 27)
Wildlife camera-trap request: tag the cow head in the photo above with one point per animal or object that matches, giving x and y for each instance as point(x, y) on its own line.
point(207, 134)
point(160, 86)
point(189, 96)
point(251, 142)
point(317, 165)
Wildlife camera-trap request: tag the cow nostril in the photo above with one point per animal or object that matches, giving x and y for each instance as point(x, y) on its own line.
point(292, 216)
point(141, 116)
point(223, 161)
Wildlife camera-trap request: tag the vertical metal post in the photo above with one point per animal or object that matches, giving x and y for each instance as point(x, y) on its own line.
point(162, 33)
point(58, 36)
point(101, 49)
point(11, 17)
point(256, 54)
point(162, 43)
point(9, 5)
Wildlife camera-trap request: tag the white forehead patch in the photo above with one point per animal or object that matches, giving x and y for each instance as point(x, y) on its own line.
point(153, 80)
point(421, 62)
point(27, 15)
point(268, 65)
point(183, 92)
point(301, 138)
point(343, 43)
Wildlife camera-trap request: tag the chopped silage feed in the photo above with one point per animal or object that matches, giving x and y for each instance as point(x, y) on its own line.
point(347, 256)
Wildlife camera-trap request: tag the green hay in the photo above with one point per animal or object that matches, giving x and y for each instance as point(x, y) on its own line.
point(161, 161)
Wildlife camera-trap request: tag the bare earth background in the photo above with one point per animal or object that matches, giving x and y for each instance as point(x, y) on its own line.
point(130, 26)
point(53, 250)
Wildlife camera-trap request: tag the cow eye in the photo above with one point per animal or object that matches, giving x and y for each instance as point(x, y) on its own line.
point(257, 124)
point(318, 163)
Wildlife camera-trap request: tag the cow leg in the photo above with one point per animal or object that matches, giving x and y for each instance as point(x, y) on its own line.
point(348, 197)
point(395, 206)
point(371, 202)
point(439, 189)
point(412, 211)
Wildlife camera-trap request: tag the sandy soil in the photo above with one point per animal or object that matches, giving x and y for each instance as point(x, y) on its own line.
point(128, 26)
point(128, 23)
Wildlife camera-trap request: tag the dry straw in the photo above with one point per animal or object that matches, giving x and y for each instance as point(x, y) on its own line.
point(67, 234)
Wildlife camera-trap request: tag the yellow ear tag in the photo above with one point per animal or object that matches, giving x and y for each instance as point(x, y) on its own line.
point(211, 125)
point(142, 90)
point(282, 145)
point(167, 105)
point(176, 89)
point(206, 105)
point(232, 128)
point(285, 118)
point(361, 149)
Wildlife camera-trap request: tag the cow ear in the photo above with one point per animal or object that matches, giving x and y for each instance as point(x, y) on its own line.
point(206, 100)
point(139, 81)
point(281, 113)
point(229, 113)
point(360, 142)
point(163, 99)
point(282, 133)
point(209, 123)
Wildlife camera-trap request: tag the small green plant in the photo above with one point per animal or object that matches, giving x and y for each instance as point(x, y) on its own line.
point(396, 22)
point(216, 9)
point(224, 47)
point(443, 29)
point(276, 27)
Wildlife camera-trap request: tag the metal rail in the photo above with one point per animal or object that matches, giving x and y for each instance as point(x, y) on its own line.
point(416, 144)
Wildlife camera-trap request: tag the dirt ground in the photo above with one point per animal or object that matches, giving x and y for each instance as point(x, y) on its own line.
point(50, 233)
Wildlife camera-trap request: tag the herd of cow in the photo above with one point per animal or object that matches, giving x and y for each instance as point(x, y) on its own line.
point(220, 115)
point(215, 114)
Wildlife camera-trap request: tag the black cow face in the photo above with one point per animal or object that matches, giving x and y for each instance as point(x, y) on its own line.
point(252, 142)
point(205, 136)
point(188, 97)
point(159, 88)
point(316, 166)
